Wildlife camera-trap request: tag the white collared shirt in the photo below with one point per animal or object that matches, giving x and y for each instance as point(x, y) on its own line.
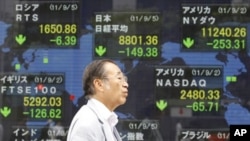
point(110, 117)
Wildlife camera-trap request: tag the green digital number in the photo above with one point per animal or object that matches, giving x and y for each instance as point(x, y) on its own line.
point(146, 52)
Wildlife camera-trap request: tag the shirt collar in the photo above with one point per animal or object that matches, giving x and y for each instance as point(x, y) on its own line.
point(111, 117)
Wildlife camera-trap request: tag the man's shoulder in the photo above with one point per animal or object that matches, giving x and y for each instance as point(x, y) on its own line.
point(85, 111)
point(86, 114)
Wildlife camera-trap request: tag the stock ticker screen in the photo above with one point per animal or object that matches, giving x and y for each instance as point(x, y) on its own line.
point(187, 63)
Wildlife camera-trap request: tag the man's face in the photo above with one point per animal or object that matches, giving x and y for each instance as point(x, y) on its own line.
point(115, 85)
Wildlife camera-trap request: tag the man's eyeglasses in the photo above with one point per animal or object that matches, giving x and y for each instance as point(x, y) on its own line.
point(122, 78)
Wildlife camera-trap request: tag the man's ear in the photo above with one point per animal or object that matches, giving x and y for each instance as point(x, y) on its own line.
point(98, 84)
